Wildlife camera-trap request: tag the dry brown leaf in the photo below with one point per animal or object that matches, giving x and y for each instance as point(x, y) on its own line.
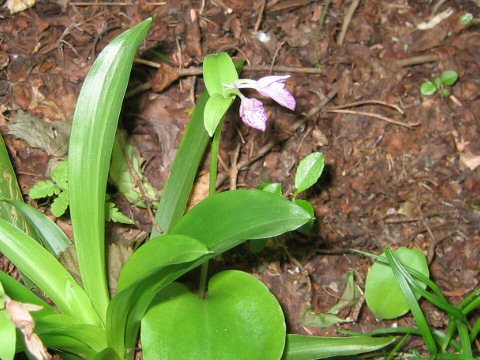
point(23, 320)
point(16, 6)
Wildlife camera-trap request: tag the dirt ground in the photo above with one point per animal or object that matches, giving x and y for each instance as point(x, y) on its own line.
point(402, 169)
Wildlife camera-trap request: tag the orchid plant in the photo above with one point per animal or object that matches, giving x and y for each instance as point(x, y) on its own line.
point(233, 315)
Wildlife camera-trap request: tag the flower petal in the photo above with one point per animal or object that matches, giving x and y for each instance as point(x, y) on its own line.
point(253, 114)
point(278, 92)
point(268, 80)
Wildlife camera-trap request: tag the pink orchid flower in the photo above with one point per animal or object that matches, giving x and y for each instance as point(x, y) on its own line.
point(252, 111)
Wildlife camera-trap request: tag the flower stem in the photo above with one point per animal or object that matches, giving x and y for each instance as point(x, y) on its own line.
point(211, 191)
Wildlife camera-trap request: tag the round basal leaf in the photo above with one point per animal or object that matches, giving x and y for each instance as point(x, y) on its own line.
point(449, 77)
point(382, 293)
point(239, 320)
point(428, 88)
point(215, 109)
point(309, 171)
point(218, 70)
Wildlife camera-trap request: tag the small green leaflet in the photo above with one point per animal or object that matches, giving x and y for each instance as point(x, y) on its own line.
point(309, 171)
point(57, 188)
point(218, 70)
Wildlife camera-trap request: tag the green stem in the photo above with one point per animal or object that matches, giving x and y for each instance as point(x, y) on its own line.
point(211, 191)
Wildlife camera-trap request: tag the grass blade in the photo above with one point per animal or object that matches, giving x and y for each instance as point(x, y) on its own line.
point(91, 141)
point(47, 273)
point(399, 272)
point(301, 347)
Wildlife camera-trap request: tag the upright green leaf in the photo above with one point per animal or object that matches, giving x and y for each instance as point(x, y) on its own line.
point(184, 168)
point(302, 347)
point(91, 141)
point(309, 171)
point(8, 335)
point(215, 109)
point(46, 272)
point(218, 70)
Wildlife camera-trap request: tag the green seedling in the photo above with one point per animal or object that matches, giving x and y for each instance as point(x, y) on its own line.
point(468, 19)
point(56, 188)
point(447, 78)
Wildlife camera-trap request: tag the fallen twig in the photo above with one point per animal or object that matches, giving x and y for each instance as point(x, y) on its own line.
point(375, 116)
point(346, 21)
point(366, 102)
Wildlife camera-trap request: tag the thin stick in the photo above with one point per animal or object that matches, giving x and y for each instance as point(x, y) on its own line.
point(346, 21)
point(366, 102)
point(258, 23)
point(197, 70)
point(416, 60)
point(333, 92)
point(375, 116)
point(113, 3)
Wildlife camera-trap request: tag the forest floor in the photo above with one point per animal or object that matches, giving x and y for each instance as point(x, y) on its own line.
point(402, 169)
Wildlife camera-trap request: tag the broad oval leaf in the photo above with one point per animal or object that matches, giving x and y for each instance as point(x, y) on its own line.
point(225, 220)
point(428, 88)
point(91, 141)
point(382, 293)
point(239, 320)
point(302, 347)
point(449, 77)
point(215, 109)
point(309, 171)
point(218, 70)
point(157, 253)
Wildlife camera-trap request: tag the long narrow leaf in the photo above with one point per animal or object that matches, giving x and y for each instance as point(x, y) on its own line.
point(301, 347)
point(184, 169)
point(9, 189)
point(47, 273)
point(91, 141)
point(65, 333)
point(19, 292)
point(48, 233)
point(399, 273)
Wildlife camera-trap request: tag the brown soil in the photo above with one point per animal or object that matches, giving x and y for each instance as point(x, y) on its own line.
point(402, 169)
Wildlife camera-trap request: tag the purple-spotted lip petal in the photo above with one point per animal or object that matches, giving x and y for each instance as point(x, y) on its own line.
point(253, 113)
